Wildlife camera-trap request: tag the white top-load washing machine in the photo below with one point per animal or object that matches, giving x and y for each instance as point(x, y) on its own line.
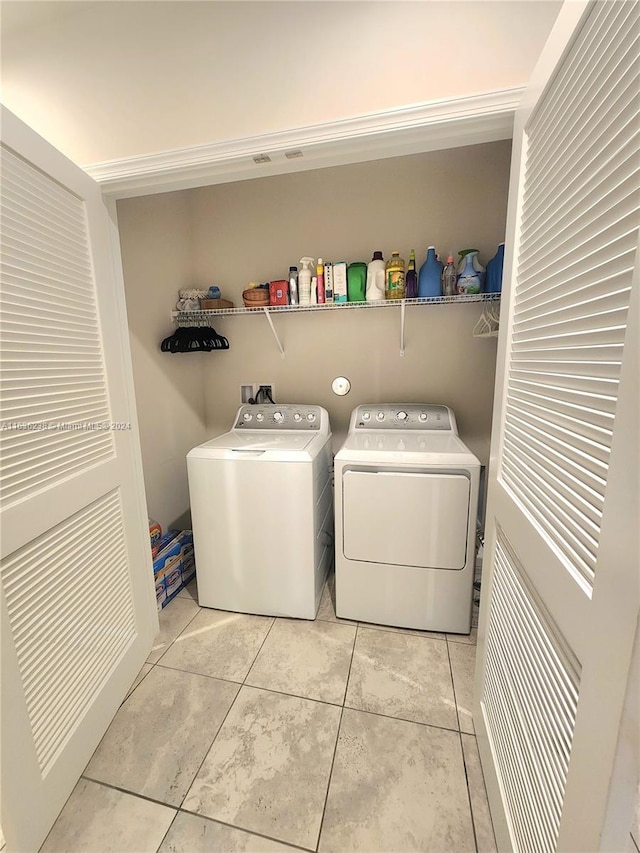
point(406, 497)
point(262, 511)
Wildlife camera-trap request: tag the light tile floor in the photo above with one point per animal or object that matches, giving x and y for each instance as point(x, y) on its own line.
point(248, 733)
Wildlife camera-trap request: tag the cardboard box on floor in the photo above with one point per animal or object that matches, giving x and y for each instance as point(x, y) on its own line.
point(173, 565)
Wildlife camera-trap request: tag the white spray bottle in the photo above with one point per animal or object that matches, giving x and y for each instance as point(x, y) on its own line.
point(304, 281)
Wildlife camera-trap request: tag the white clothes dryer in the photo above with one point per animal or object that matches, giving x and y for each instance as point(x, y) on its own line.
point(262, 511)
point(406, 501)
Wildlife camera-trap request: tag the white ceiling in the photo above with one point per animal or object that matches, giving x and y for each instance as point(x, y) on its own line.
point(16, 16)
point(107, 81)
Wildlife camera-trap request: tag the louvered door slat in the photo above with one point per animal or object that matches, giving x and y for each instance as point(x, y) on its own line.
point(573, 83)
point(24, 224)
point(57, 254)
point(41, 197)
point(34, 271)
point(586, 488)
point(611, 247)
point(31, 280)
point(530, 697)
point(49, 315)
point(614, 122)
point(570, 207)
point(578, 243)
point(64, 309)
point(60, 669)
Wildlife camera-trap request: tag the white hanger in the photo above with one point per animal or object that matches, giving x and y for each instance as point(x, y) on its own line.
point(488, 322)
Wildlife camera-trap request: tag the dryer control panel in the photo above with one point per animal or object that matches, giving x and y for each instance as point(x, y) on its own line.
point(281, 416)
point(411, 417)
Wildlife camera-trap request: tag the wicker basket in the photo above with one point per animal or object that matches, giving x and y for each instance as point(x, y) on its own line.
point(255, 297)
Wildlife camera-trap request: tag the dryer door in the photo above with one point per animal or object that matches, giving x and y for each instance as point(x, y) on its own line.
point(406, 518)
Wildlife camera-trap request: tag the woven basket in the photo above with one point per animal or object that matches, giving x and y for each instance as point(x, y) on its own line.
point(255, 297)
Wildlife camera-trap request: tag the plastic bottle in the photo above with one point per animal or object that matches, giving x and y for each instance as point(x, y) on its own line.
point(411, 280)
point(293, 285)
point(304, 281)
point(493, 278)
point(356, 281)
point(448, 278)
point(394, 280)
point(375, 278)
point(471, 278)
point(320, 278)
point(429, 278)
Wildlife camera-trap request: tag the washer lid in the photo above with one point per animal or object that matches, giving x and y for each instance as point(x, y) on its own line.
point(258, 445)
point(407, 448)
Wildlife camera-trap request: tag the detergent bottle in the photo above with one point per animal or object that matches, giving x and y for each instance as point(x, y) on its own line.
point(375, 278)
point(429, 277)
point(304, 281)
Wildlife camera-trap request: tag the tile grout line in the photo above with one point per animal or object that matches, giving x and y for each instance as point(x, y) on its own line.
point(195, 776)
point(127, 791)
point(197, 613)
point(453, 686)
point(248, 831)
point(163, 839)
point(240, 686)
point(343, 705)
point(466, 776)
point(464, 760)
point(155, 663)
point(335, 748)
point(179, 809)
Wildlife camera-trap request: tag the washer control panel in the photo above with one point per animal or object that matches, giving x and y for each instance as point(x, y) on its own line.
point(280, 416)
point(401, 416)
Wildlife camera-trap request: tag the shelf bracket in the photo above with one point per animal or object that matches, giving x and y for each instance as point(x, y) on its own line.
point(402, 307)
point(273, 329)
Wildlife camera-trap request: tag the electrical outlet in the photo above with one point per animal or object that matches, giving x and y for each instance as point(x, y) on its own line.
point(266, 393)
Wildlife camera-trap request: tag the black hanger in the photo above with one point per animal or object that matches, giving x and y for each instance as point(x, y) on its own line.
point(194, 339)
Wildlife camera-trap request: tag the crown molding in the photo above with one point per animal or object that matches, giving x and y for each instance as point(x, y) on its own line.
point(413, 129)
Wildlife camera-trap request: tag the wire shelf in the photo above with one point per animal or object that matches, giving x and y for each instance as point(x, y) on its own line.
point(202, 318)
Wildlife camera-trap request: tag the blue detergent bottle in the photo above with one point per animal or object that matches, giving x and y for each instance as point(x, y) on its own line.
point(429, 277)
point(493, 278)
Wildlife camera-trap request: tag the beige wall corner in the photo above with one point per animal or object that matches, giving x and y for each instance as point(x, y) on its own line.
point(155, 237)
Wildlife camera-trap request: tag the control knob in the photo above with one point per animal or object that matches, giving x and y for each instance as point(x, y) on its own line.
point(311, 416)
point(247, 416)
point(402, 416)
point(278, 417)
point(380, 416)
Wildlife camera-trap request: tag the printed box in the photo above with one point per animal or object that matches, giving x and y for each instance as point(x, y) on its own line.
point(340, 281)
point(174, 565)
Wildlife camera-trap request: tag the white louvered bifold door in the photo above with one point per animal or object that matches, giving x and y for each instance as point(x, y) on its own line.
point(560, 591)
point(78, 607)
